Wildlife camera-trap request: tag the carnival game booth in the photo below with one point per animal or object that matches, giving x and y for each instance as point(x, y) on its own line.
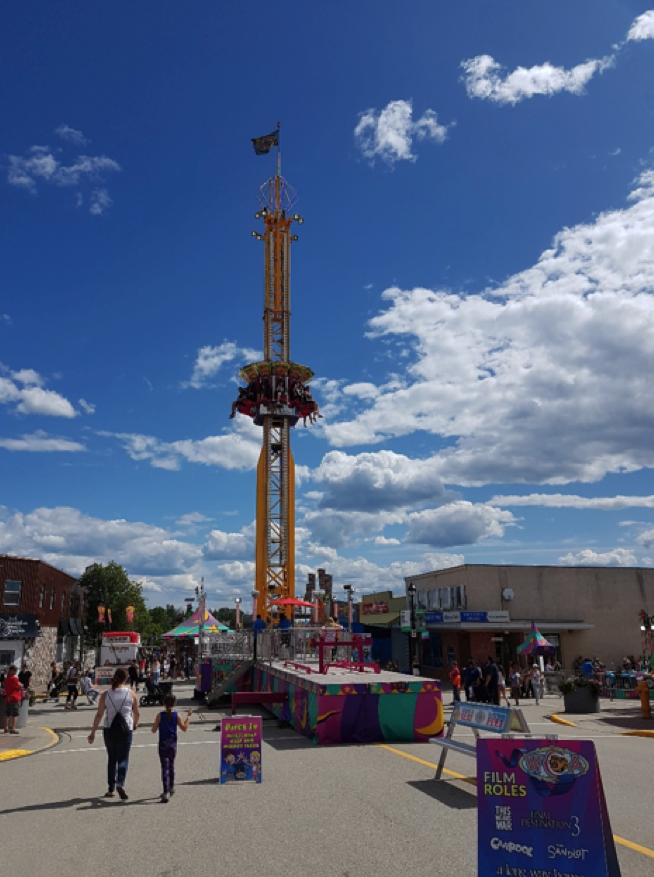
point(193, 629)
point(118, 649)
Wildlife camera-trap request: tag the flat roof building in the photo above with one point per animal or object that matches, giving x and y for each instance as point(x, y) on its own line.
point(475, 610)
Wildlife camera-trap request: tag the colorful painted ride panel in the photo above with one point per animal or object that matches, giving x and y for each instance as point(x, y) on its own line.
point(399, 712)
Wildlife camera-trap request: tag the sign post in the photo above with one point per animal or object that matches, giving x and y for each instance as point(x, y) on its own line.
point(240, 749)
point(542, 810)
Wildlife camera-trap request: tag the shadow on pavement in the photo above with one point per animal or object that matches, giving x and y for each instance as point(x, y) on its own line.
point(447, 793)
point(79, 804)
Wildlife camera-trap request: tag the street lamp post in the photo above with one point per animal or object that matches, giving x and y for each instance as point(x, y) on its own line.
point(349, 590)
point(412, 594)
point(238, 612)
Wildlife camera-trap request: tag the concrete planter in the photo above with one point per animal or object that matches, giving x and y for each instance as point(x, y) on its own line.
point(581, 700)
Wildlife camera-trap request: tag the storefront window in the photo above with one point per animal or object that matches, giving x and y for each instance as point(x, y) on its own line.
point(435, 649)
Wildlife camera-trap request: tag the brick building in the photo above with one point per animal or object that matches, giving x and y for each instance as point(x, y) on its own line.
point(41, 615)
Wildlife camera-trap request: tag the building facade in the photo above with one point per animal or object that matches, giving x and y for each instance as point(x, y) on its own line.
point(478, 610)
point(41, 613)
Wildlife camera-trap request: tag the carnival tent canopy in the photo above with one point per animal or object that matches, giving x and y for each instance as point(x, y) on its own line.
point(291, 601)
point(536, 644)
point(191, 626)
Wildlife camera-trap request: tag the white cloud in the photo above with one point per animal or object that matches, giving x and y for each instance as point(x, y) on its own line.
point(646, 538)
point(24, 389)
point(100, 200)
point(87, 407)
point(226, 546)
point(459, 523)
point(588, 557)
point(43, 166)
point(210, 360)
point(642, 27)
point(570, 501)
point(383, 480)
point(5, 318)
point(237, 449)
point(65, 535)
point(362, 391)
point(40, 441)
point(383, 540)
point(345, 528)
point(486, 79)
point(71, 135)
point(543, 379)
point(191, 519)
point(389, 133)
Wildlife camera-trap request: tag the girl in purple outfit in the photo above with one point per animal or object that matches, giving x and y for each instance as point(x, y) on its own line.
point(167, 723)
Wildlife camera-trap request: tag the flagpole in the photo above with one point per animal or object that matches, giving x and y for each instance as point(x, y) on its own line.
point(279, 149)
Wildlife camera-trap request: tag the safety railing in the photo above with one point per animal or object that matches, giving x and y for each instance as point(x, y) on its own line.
point(300, 646)
point(235, 645)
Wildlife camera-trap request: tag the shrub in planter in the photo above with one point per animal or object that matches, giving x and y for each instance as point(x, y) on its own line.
point(580, 695)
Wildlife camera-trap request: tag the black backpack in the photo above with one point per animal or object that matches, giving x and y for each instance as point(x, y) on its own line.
point(118, 726)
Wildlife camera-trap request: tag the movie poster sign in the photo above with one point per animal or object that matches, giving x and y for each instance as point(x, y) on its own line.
point(240, 749)
point(542, 811)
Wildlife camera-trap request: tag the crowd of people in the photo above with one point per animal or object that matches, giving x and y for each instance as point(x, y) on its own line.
point(487, 682)
point(277, 392)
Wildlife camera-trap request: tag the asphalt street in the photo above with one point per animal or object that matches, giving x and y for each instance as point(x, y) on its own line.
point(329, 812)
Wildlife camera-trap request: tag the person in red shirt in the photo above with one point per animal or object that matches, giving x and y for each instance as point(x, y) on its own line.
point(455, 679)
point(13, 698)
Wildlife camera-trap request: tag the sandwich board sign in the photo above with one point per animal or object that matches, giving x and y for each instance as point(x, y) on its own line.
point(240, 749)
point(541, 810)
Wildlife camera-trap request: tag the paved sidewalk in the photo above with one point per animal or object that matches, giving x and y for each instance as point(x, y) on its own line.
point(29, 740)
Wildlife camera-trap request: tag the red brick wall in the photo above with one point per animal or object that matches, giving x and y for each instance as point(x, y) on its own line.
point(33, 574)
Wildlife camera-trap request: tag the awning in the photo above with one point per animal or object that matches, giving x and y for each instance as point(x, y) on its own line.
point(549, 626)
point(19, 626)
point(382, 619)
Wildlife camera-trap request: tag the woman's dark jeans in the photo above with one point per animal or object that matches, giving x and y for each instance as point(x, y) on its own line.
point(118, 747)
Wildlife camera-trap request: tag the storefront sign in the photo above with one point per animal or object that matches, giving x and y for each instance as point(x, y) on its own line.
point(541, 810)
point(451, 616)
point(466, 617)
point(240, 749)
point(374, 608)
point(497, 617)
point(473, 616)
point(19, 626)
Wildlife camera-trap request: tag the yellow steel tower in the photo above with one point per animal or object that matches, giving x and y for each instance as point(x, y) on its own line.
point(276, 396)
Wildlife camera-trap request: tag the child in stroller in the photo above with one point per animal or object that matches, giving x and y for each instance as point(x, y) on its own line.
point(155, 692)
point(56, 686)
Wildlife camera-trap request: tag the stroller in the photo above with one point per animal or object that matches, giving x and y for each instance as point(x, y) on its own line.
point(155, 693)
point(56, 687)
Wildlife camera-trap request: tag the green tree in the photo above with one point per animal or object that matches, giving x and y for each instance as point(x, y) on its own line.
point(175, 615)
point(111, 587)
point(225, 615)
point(160, 622)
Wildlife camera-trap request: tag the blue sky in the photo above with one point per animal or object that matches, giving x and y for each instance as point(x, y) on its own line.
point(472, 285)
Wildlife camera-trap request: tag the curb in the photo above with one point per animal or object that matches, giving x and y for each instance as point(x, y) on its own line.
point(12, 754)
point(637, 733)
point(560, 721)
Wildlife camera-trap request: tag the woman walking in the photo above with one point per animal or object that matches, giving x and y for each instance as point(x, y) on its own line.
point(122, 718)
point(156, 670)
point(72, 678)
point(167, 724)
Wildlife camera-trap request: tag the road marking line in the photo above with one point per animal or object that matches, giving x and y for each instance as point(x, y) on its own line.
point(632, 846)
point(8, 754)
point(645, 851)
point(136, 746)
point(457, 776)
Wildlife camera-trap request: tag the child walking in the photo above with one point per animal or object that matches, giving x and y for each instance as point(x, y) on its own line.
point(167, 722)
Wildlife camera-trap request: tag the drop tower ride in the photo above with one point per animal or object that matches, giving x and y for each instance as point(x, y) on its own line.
point(276, 395)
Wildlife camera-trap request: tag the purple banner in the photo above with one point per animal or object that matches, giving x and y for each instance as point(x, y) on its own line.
point(541, 810)
point(240, 749)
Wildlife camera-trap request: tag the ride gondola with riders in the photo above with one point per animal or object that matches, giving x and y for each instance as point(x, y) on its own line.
point(277, 388)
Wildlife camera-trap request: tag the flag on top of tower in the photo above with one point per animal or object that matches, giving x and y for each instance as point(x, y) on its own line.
point(263, 145)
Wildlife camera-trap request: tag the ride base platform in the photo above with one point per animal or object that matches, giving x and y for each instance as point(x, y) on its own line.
point(347, 706)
